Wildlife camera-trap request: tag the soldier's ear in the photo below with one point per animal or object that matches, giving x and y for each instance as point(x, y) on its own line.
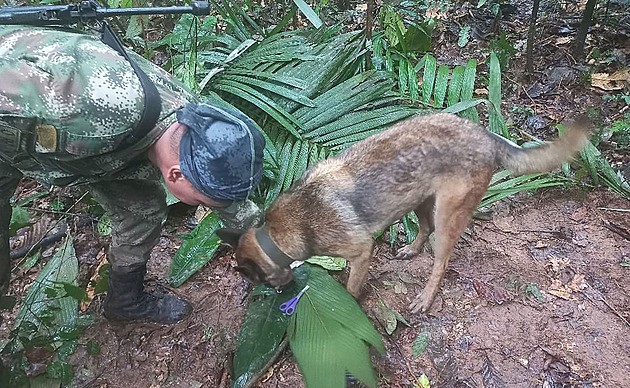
point(230, 236)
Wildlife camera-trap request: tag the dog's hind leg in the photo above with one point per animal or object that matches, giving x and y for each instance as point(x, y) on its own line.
point(426, 225)
point(359, 257)
point(455, 203)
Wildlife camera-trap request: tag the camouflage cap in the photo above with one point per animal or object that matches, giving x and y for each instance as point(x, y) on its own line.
point(221, 153)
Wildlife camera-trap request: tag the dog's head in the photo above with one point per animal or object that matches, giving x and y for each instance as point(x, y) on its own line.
point(252, 262)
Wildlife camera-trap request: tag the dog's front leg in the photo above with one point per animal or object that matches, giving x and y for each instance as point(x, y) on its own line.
point(359, 265)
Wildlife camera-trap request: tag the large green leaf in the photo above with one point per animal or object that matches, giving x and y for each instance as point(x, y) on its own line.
point(428, 78)
point(195, 251)
point(500, 188)
point(329, 334)
point(42, 297)
point(496, 124)
point(19, 219)
point(309, 13)
point(468, 87)
point(263, 330)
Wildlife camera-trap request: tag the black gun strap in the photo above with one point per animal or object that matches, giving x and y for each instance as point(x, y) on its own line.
point(152, 101)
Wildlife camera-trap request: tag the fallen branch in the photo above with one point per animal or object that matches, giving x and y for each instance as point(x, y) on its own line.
point(623, 232)
point(272, 360)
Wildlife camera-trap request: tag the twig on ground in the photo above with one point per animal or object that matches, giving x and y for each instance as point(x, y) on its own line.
point(53, 226)
point(272, 360)
point(611, 307)
point(614, 210)
point(623, 232)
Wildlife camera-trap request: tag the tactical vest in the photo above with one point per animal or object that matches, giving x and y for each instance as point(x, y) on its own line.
point(68, 102)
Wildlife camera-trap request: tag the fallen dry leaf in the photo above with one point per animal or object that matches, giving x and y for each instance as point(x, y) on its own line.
point(506, 224)
point(102, 258)
point(564, 40)
point(558, 289)
point(578, 283)
point(557, 263)
point(614, 81)
point(540, 244)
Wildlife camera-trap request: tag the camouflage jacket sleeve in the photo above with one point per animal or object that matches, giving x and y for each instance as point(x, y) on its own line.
point(71, 99)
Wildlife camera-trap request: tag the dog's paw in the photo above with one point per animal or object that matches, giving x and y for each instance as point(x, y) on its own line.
point(406, 253)
point(422, 303)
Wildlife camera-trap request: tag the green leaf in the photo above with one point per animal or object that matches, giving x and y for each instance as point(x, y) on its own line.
point(423, 380)
point(412, 79)
point(418, 38)
point(420, 344)
point(62, 268)
point(31, 261)
point(60, 370)
point(104, 226)
point(103, 283)
point(496, 124)
point(455, 87)
point(285, 20)
point(75, 291)
point(441, 84)
point(410, 223)
point(134, 28)
point(464, 36)
point(19, 219)
point(462, 106)
point(532, 289)
point(263, 330)
point(56, 206)
point(26, 201)
point(428, 78)
point(329, 263)
point(66, 349)
point(468, 88)
point(93, 347)
point(402, 75)
point(390, 318)
point(328, 334)
point(309, 13)
point(194, 253)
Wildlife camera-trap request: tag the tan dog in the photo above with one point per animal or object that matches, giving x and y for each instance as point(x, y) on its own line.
point(439, 162)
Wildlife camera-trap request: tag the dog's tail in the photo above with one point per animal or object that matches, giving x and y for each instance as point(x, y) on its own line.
point(547, 156)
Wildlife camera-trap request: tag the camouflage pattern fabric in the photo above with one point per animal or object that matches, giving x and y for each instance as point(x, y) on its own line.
point(67, 101)
point(240, 214)
point(136, 219)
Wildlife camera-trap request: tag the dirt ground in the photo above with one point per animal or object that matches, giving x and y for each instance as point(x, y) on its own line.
point(484, 329)
point(489, 327)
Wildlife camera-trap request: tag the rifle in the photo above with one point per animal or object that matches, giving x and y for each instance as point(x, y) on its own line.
point(48, 15)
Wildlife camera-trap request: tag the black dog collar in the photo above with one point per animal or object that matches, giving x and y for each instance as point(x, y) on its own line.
point(271, 249)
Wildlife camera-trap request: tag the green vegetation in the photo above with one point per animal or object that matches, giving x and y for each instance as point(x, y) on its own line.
point(313, 94)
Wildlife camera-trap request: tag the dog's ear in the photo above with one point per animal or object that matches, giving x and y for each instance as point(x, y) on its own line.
point(230, 236)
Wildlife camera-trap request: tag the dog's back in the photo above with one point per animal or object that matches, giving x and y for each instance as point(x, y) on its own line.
point(387, 175)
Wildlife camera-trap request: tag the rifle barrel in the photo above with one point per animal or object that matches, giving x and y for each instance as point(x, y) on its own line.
point(86, 10)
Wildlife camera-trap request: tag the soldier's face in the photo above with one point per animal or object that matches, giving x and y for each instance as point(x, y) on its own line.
point(183, 190)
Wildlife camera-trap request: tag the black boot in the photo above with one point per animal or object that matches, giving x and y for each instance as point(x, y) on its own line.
point(127, 301)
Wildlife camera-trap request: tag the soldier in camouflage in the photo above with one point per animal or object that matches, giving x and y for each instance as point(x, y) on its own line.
point(67, 105)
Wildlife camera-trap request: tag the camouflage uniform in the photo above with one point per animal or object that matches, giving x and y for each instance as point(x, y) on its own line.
point(67, 101)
